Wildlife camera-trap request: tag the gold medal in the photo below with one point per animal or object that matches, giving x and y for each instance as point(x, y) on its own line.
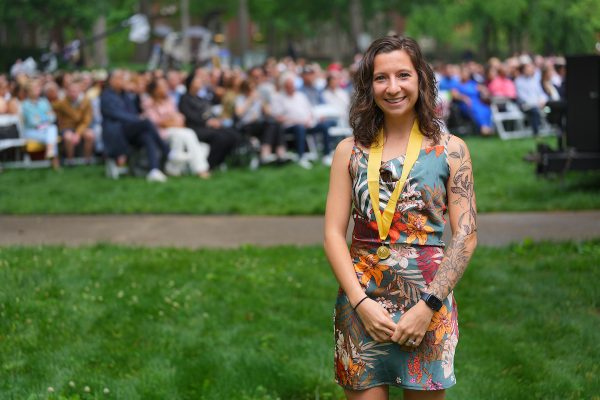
point(383, 252)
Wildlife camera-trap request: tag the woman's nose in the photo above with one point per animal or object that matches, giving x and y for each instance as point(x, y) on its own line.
point(393, 86)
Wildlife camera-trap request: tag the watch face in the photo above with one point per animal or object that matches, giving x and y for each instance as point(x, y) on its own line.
point(433, 302)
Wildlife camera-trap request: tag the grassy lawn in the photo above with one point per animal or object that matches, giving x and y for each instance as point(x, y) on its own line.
point(257, 323)
point(503, 183)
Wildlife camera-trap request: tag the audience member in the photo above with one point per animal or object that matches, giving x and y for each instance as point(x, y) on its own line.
point(38, 121)
point(161, 110)
point(208, 129)
point(74, 116)
point(122, 126)
point(335, 96)
point(176, 87)
point(309, 87)
point(255, 119)
point(530, 95)
point(499, 85)
point(471, 104)
point(294, 111)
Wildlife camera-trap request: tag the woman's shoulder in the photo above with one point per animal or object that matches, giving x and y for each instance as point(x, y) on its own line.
point(346, 145)
point(457, 148)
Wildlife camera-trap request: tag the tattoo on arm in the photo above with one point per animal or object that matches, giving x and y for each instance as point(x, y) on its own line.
point(458, 253)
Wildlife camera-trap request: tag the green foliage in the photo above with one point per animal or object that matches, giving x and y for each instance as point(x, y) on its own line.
point(497, 27)
point(255, 323)
point(501, 27)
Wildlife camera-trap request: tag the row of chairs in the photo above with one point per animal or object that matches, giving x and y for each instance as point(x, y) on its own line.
point(511, 123)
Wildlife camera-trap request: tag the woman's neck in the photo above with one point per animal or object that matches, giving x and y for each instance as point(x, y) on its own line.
point(398, 128)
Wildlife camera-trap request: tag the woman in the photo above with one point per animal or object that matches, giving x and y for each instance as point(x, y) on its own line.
point(160, 109)
point(254, 118)
point(499, 85)
point(547, 82)
point(395, 315)
point(469, 93)
point(335, 96)
point(38, 121)
point(210, 130)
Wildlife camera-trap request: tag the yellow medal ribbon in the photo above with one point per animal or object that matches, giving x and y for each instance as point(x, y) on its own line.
point(384, 220)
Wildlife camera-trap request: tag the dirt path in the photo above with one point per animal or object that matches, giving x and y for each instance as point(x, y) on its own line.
point(494, 229)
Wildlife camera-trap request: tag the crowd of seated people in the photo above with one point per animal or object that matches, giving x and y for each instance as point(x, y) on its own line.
point(179, 122)
point(531, 83)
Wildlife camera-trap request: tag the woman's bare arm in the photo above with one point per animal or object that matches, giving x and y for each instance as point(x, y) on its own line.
point(461, 207)
point(463, 220)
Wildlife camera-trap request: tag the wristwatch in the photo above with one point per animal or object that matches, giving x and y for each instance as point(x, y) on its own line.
point(432, 302)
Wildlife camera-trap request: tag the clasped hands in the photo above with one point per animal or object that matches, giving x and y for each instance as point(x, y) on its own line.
point(410, 329)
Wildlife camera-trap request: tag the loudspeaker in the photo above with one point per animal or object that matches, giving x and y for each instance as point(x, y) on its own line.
point(583, 103)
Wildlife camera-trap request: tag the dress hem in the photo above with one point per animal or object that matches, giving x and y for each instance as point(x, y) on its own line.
point(420, 388)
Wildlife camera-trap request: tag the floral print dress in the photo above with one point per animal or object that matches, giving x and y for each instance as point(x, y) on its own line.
point(417, 249)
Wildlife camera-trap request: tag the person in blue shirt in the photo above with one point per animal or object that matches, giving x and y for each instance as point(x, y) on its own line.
point(39, 121)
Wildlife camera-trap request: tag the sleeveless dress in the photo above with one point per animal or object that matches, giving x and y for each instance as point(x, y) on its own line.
point(417, 249)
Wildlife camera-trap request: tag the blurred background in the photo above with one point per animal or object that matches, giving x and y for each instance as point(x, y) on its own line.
point(164, 167)
point(243, 32)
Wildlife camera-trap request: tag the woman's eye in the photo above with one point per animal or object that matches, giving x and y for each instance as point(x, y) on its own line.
point(379, 78)
point(404, 75)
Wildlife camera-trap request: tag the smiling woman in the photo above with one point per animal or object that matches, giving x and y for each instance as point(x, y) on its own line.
point(396, 320)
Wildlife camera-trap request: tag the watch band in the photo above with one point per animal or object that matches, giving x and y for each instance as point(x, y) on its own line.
point(432, 301)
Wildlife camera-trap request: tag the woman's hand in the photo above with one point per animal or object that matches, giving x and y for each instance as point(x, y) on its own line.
point(377, 321)
point(413, 325)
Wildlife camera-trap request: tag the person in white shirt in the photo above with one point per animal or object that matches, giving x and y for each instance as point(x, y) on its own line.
point(337, 97)
point(530, 95)
point(293, 110)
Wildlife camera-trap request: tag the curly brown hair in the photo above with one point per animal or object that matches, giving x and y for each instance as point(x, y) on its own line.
point(366, 118)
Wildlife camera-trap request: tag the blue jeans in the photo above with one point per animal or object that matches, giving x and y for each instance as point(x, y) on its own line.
point(300, 132)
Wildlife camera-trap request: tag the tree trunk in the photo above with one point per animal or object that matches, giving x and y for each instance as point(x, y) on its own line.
point(338, 36)
point(100, 50)
point(185, 25)
point(142, 50)
point(356, 22)
point(243, 18)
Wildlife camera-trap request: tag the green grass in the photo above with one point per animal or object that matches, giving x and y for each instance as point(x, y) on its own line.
point(503, 182)
point(256, 323)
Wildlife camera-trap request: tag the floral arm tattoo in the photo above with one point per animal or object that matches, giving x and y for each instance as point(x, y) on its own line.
point(462, 246)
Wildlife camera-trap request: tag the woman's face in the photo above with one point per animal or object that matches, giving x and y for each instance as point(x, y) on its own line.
point(395, 84)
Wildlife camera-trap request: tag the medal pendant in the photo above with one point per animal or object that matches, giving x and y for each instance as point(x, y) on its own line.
point(383, 252)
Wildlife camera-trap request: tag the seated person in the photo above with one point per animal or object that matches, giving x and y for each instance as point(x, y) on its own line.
point(469, 93)
point(309, 86)
point(254, 117)
point(74, 117)
point(4, 95)
point(499, 85)
point(294, 112)
point(161, 110)
point(208, 129)
point(38, 121)
point(530, 96)
point(17, 96)
point(122, 126)
point(335, 96)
